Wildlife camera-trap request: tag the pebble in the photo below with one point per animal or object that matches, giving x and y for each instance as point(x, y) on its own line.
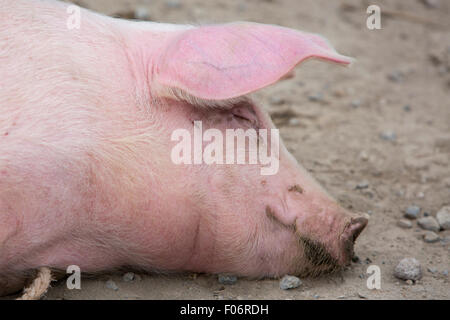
point(407, 108)
point(316, 97)
point(408, 269)
point(227, 279)
point(128, 277)
point(412, 212)
point(428, 223)
point(430, 237)
point(404, 224)
point(364, 156)
point(362, 296)
point(396, 76)
point(173, 4)
point(289, 282)
point(432, 4)
point(294, 122)
point(356, 103)
point(445, 240)
point(276, 100)
point(443, 218)
point(409, 282)
point(388, 136)
point(141, 13)
point(432, 270)
point(362, 185)
point(112, 285)
point(445, 273)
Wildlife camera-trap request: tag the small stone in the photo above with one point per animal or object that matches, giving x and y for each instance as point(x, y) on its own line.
point(409, 282)
point(355, 259)
point(430, 237)
point(173, 4)
point(420, 195)
point(396, 76)
point(128, 277)
point(407, 108)
point(412, 212)
point(428, 223)
point(388, 136)
point(316, 97)
point(432, 270)
point(408, 269)
point(356, 103)
point(445, 273)
point(443, 218)
point(316, 296)
point(362, 296)
point(227, 279)
point(141, 13)
point(111, 285)
point(364, 156)
point(404, 224)
point(362, 185)
point(289, 282)
point(294, 122)
point(277, 100)
point(445, 240)
point(432, 4)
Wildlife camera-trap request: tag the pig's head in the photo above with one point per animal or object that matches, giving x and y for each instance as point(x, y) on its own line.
point(249, 222)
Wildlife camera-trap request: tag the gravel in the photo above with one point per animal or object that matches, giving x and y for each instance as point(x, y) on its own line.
point(289, 282)
point(388, 136)
point(430, 237)
point(173, 4)
point(429, 223)
point(404, 224)
point(227, 279)
point(408, 269)
point(128, 277)
point(432, 4)
point(432, 270)
point(316, 97)
point(277, 100)
point(362, 185)
point(110, 284)
point(141, 13)
point(412, 212)
point(443, 218)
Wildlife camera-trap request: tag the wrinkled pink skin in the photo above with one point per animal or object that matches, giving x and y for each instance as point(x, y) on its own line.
point(85, 170)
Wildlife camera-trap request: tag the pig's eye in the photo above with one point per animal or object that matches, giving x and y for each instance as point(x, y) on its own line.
point(244, 113)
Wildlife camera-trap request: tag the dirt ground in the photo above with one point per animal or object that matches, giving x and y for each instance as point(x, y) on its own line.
point(383, 124)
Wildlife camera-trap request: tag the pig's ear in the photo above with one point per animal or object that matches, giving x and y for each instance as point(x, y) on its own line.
point(222, 62)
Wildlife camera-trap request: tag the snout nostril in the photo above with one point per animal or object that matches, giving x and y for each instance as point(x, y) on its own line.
point(356, 226)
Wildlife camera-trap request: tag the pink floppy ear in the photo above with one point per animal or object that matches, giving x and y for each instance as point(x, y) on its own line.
point(221, 62)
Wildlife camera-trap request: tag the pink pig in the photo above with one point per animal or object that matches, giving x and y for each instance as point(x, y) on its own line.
point(86, 175)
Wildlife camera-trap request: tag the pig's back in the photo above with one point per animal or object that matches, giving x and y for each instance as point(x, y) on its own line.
point(64, 99)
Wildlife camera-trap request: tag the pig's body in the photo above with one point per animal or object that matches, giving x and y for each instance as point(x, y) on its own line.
point(85, 171)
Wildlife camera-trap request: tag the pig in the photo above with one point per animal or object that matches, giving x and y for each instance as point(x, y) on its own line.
point(86, 175)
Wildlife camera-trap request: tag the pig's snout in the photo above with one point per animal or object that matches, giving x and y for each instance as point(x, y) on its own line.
point(351, 232)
